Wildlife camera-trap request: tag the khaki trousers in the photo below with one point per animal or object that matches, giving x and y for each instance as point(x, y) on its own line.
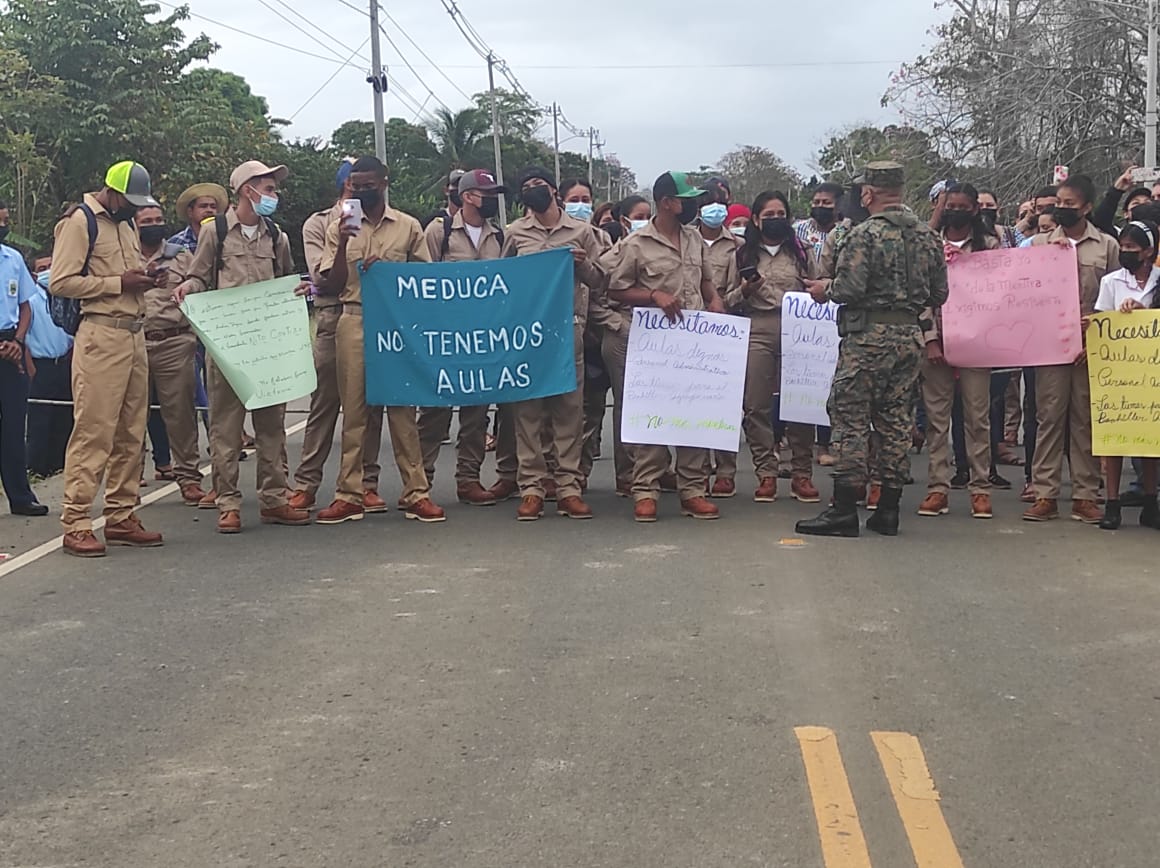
point(565, 414)
point(762, 381)
point(227, 419)
point(110, 381)
point(650, 463)
point(1064, 409)
point(614, 350)
point(471, 442)
point(938, 395)
point(356, 416)
point(174, 381)
point(318, 438)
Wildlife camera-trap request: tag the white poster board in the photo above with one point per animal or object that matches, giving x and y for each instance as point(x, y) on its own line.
point(809, 355)
point(684, 381)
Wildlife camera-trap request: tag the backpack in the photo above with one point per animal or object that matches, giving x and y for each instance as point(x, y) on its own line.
point(66, 312)
point(221, 227)
point(447, 238)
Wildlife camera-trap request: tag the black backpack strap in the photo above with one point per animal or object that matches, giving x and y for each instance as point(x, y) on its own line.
point(447, 229)
point(499, 229)
point(221, 227)
point(91, 225)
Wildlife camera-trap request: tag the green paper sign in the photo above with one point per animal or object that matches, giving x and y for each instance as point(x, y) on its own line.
point(259, 336)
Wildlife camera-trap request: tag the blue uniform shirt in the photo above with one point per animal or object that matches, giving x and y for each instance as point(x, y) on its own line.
point(16, 287)
point(45, 339)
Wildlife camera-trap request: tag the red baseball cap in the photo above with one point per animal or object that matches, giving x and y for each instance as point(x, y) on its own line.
point(484, 182)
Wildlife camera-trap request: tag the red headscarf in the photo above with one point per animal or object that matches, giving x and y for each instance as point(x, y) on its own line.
point(735, 211)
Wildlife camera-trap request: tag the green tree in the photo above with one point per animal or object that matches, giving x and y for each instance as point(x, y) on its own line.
point(460, 137)
point(519, 115)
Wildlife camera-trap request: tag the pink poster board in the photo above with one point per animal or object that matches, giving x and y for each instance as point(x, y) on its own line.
point(1013, 308)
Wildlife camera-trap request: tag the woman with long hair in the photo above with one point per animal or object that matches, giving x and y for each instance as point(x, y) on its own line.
point(770, 263)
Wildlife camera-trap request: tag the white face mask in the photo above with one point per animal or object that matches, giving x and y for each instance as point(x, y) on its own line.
point(771, 249)
point(634, 225)
point(739, 231)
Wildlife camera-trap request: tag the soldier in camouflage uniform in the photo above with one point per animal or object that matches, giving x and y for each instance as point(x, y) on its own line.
point(889, 269)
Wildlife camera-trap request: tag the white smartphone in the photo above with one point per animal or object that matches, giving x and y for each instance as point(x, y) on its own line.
point(352, 212)
point(1060, 175)
point(1145, 176)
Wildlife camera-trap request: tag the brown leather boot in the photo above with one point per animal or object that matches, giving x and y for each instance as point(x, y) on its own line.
point(229, 521)
point(530, 508)
point(191, 494)
point(474, 494)
point(130, 532)
point(83, 544)
point(573, 507)
point(285, 515)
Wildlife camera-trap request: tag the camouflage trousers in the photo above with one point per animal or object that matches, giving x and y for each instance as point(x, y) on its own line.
point(875, 384)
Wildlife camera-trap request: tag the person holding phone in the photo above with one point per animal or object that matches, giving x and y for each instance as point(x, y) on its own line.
point(771, 262)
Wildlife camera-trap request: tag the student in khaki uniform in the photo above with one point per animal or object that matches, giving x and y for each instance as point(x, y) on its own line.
point(664, 265)
point(251, 252)
point(470, 236)
point(721, 251)
point(957, 212)
point(383, 235)
point(172, 348)
point(1062, 392)
point(110, 371)
point(773, 262)
point(635, 211)
point(318, 438)
point(548, 227)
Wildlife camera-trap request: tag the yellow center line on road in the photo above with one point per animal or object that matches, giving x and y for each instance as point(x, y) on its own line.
point(46, 548)
point(843, 845)
point(917, 799)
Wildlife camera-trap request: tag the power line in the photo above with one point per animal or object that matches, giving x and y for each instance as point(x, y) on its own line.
point(333, 39)
point(439, 69)
point(324, 85)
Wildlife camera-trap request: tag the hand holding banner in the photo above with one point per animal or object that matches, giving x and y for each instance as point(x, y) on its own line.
point(684, 381)
point(1013, 308)
point(1123, 358)
point(456, 334)
point(259, 335)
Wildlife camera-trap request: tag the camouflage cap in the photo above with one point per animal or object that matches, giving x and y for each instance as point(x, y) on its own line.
point(884, 173)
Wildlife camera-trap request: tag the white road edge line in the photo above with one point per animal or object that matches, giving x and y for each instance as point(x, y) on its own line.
point(34, 554)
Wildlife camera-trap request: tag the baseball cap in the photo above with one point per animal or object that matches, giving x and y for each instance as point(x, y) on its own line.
point(343, 173)
point(251, 169)
point(131, 180)
point(453, 178)
point(536, 172)
point(675, 184)
point(484, 182)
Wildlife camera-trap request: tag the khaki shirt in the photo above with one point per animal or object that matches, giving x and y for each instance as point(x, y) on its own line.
point(722, 255)
point(161, 311)
point(314, 245)
point(244, 260)
point(460, 247)
point(117, 250)
point(779, 274)
point(1097, 255)
point(649, 261)
point(529, 235)
point(397, 237)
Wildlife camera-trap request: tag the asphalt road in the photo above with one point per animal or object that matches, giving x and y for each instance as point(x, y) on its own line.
point(679, 695)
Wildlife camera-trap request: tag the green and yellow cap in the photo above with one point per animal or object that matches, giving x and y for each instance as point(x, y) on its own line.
point(675, 185)
point(131, 180)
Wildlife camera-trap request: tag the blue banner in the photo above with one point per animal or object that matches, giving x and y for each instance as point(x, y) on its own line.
point(454, 334)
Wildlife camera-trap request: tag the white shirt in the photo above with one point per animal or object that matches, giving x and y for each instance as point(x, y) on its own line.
point(251, 232)
point(1116, 287)
point(474, 233)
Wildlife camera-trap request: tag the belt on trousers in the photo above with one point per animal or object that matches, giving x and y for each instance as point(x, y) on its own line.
point(129, 324)
point(59, 360)
point(162, 334)
point(891, 317)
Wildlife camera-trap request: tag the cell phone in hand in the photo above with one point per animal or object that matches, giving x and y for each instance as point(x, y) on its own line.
point(352, 212)
point(1060, 175)
point(749, 272)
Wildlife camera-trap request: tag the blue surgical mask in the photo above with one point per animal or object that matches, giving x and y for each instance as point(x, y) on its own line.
point(266, 206)
point(42, 278)
point(634, 225)
point(579, 210)
point(713, 215)
point(739, 231)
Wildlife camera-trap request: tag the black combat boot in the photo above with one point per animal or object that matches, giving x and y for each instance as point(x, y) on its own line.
point(1150, 514)
point(1112, 516)
point(841, 519)
point(885, 518)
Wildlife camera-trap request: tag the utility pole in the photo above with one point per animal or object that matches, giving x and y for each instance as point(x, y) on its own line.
point(378, 81)
point(1150, 99)
point(495, 133)
point(591, 145)
point(556, 136)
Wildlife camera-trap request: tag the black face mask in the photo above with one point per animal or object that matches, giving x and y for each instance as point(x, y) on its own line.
point(1067, 217)
point(990, 216)
point(956, 219)
point(822, 216)
point(614, 230)
point(689, 211)
point(3, 233)
point(1130, 260)
point(455, 200)
point(151, 236)
point(124, 215)
point(775, 229)
point(539, 199)
point(489, 207)
point(370, 199)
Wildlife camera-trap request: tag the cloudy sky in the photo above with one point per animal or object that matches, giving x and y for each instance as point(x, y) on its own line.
point(669, 83)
